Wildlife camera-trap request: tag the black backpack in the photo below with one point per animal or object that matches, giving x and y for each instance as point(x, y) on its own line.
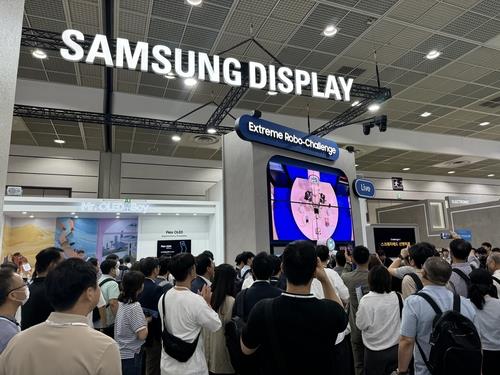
point(232, 331)
point(238, 284)
point(463, 276)
point(95, 313)
point(455, 343)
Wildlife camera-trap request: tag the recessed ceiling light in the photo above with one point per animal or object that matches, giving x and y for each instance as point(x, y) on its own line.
point(39, 54)
point(491, 175)
point(24, 212)
point(374, 107)
point(355, 103)
point(484, 123)
point(406, 169)
point(195, 214)
point(169, 75)
point(176, 138)
point(451, 172)
point(211, 130)
point(118, 214)
point(117, 217)
point(190, 82)
point(59, 141)
point(177, 214)
point(425, 114)
point(159, 213)
point(272, 93)
point(76, 217)
point(195, 3)
point(330, 30)
point(434, 54)
point(32, 216)
point(356, 165)
point(73, 213)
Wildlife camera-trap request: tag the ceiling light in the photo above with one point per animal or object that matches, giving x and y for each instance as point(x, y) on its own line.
point(433, 55)
point(118, 214)
point(330, 30)
point(169, 75)
point(406, 169)
point(356, 165)
point(24, 212)
point(425, 114)
point(190, 82)
point(272, 93)
point(374, 107)
point(484, 123)
point(451, 172)
point(211, 130)
point(176, 138)
point(118, 217)
point(355, 103)
point(491, 175)
point(32, 216)
point(177, 214)
point(195, 3)
point(195, 214)
point(159, 213)
point(39, 54)
point(76, 217)
point(59, 141)
point(73, 213)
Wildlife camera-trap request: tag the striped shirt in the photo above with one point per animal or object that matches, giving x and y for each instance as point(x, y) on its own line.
point(129, 320)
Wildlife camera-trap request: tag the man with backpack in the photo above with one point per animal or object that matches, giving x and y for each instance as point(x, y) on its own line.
point(437, 328)
point(493, 264)
point(459, 280)
point(418, 254)
point(110, 291)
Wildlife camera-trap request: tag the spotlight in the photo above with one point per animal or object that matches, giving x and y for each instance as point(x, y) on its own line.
point(190, 82)
point(374, 107)
point(176, 138)
point(256, 113)
point(59, 141)
point(195, 3)
point(211, 130)
point(169, 75)
point(355, 103)
point(39, 54)
point(433, 55)
point(378, 121)
point(367, 127)
point(272, 93)
point(330, 30)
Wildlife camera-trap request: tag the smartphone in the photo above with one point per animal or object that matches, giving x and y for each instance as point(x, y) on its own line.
point(446, 236)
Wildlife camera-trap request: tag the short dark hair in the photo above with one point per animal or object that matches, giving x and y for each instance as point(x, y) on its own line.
point(46, 257)
point(180, 265)
point(276, 264)
point(420, 252)
point(66, 283)
point(93, 261)
point(246, 256)
point(239, 258)
point(9, 265)
point(209, 254)
point(495, 250)
point(460, 249)
point(113, 256)
point(262, 266)
point(340, 258)
point(481, 285)
point(203, 262)
point(486, 244)
point(379, 279)
point(164, 262)
point(373, 261)
point(323, 252)
point(107, 265)
point(131, 283)
point(148, 265)
point(299, 262)
point(80, 251)
point(361, 255)
point(127, 259)
point(6, 275)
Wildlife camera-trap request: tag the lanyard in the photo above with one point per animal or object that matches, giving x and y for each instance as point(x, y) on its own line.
point(54, 324)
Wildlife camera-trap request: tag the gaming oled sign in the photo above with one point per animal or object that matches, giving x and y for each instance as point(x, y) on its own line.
point(255, 129)
point(200, 65)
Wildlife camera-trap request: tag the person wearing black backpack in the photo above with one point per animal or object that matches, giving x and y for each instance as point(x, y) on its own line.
point(459, 280)
point(437, 328)
point(493, 264)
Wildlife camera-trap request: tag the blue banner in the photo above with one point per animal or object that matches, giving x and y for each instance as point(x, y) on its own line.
point(364, 188)
point(465, 234)
point(255, 129)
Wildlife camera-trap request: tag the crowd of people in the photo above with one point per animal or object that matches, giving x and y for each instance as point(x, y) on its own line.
point(304, 312)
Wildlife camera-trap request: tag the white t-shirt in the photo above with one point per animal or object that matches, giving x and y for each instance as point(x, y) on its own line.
point(101, 303)
point(488, 323)
point(247, 283)
point(378, 318)
point(337, 283)
point(186, 314)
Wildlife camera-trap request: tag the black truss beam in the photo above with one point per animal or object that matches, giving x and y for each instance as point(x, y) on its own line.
point(108, 19)
point(57, 114)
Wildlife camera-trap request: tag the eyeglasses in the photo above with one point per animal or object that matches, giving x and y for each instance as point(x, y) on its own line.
point(19, 287)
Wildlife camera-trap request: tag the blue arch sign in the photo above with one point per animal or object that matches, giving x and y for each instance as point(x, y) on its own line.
point(364, 188)
point(255, 129)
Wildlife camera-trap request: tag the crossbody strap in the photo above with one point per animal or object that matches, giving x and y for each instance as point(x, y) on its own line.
point(418, 283)
point(438, 311)
point(163, 319)
point(496, 279)
point(462, 275)
point(400, 300)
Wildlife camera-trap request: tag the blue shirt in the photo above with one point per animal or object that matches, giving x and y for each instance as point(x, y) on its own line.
point(418, 316)
point(8, 329)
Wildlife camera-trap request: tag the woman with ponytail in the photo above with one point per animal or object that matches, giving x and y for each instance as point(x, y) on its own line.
point(483, 295)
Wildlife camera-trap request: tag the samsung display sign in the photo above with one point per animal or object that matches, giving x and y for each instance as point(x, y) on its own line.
point(201, 66)
point(364, 188)
point(255, 129)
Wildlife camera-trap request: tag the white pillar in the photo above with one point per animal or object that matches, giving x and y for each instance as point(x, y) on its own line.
point(10, 44)
point(363, 208)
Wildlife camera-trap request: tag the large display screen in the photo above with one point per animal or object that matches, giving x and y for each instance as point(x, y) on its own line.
point(392, 240)
point(169, 248)
point(308, 202)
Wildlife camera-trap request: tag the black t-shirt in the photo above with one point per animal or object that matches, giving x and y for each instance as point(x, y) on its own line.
point(37, 309)
point(306, 329)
